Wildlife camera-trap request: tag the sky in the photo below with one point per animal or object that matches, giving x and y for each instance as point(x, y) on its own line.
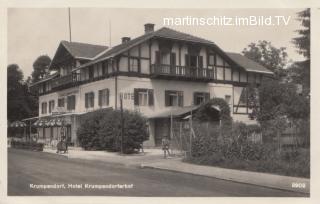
point(37, 31)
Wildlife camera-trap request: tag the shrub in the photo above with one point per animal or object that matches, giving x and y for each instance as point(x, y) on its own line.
point(234, 150)
point(88, 132)
point(27, 145)
point(206, 113)
point(102, 131)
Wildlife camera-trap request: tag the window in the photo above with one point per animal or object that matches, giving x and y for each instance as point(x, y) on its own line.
point(44, 108)
point(51, 106)
point(194, 61)
point(71, 102)
point(143, 97)
point(200, 97)
point(173, 98)
point(89, 100)
point(104, 97)
point(61, 102)
point(134, 65)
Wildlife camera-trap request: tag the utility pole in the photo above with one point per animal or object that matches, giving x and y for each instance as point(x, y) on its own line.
point(191, 133)
point(69, 15)
point(109, 33)
point(121, 118)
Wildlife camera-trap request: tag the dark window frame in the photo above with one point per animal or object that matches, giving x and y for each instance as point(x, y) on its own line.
point(71, 102)
point(107, 95)
point(169, 102)
point(89, 100)
point(204, 95)
point(150, 96)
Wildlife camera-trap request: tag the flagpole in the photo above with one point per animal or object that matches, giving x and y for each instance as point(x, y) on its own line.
point(69, 15)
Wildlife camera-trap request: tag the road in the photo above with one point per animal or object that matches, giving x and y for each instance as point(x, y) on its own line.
point(27, 168)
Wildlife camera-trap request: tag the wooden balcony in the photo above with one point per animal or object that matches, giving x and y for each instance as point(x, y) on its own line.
point(181, 72)
point(69, 80)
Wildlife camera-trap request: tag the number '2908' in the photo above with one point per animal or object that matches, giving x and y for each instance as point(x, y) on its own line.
point(298, 185)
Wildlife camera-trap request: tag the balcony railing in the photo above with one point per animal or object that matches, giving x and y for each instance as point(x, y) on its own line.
point(181, 72)
point(64, 81)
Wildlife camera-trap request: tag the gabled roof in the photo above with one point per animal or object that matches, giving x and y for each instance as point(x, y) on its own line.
point(162, 32)
point(248, 64)
point(99, 53)
point(83, 50)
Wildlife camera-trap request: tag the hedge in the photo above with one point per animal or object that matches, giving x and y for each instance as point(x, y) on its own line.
point(27, 145)
point(102, 131)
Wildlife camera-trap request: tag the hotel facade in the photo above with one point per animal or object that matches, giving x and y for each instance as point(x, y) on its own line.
point(163, 72)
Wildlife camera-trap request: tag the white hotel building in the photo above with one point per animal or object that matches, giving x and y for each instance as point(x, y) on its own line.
point(160, 73)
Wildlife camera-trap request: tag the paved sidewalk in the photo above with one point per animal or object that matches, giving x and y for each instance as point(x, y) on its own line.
point(153, 158)
point(149, 156)
point(260, 179)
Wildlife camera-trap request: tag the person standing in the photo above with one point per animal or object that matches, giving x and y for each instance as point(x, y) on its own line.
point(165, 146)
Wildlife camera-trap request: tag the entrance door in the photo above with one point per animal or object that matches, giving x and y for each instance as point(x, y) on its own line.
point(68, 134)
point(162, 128)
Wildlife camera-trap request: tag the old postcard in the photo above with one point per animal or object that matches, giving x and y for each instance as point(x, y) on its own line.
point(158, 103)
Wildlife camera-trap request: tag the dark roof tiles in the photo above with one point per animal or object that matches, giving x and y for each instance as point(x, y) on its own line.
point(83, 50)
point(248, 64)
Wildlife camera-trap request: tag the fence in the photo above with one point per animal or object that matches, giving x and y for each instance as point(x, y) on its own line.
point(183, 133)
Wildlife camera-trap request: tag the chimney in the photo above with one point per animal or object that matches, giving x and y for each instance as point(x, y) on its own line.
point(148, 28)
point(125, 39)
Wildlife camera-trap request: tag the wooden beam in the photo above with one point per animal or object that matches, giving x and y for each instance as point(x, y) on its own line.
point(180, 54)
point(139, 60)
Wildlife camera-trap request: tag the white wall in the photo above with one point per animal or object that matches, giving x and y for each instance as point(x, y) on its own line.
point(127, 84)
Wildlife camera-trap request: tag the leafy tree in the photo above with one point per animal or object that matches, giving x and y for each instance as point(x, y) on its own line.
point(20, 104)
point(40, 67)
point(279, 103)
point(269, 56)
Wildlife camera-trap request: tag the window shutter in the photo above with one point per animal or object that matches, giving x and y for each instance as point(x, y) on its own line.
point(206, 97)
point(150, 97)
point(136, 97)
point(107, 97)
point(180, 98)
point(86, 100)
point(157, 57)
point(166, 98)
point(73, 102)
point(100, 98)
point(187, 64)
point(92, 97)
point(200, 61)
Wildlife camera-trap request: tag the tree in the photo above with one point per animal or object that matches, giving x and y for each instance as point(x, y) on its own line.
point(40, 67)
point(269, 56)
point(300, 71)
point(20, 103)
point(279, 103)
point(303, 41)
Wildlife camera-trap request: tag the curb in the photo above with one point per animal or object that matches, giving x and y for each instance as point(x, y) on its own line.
point(297, 190)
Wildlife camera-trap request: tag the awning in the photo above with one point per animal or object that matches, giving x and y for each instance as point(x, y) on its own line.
point(179, 112)
point(174, 112)
point(40, 123)
point(58, 122)
point(18, 124)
